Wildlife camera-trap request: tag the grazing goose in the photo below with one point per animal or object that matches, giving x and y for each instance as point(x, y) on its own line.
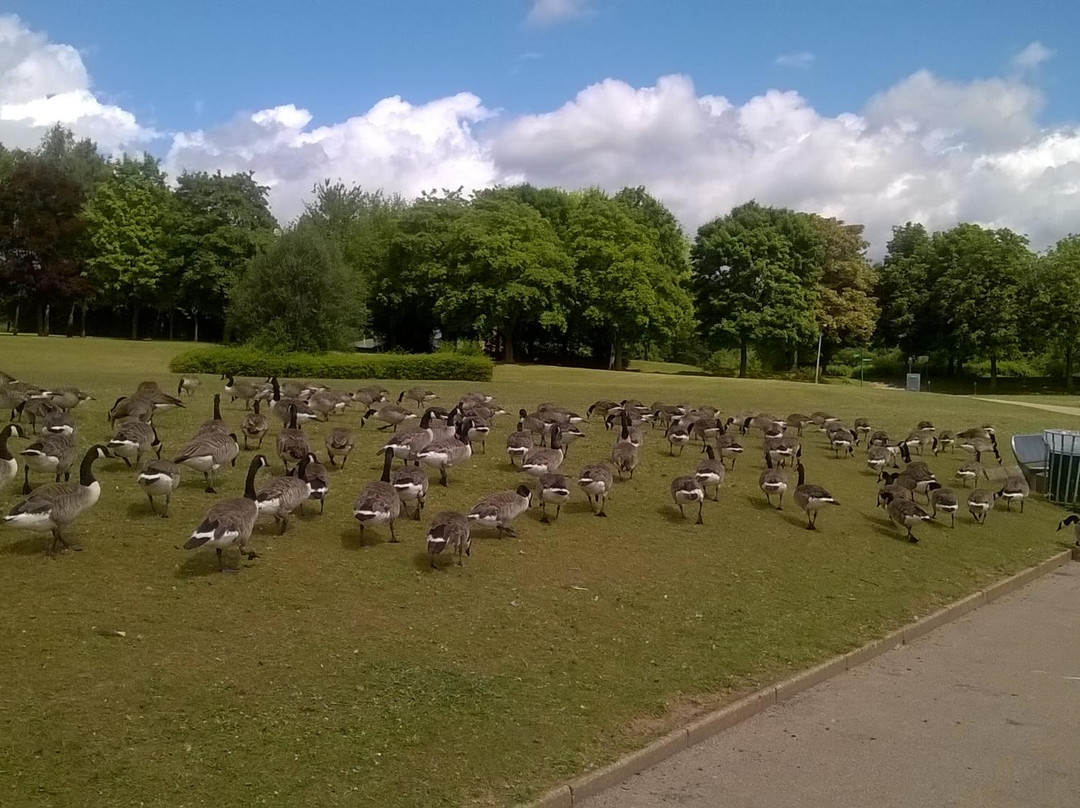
point(421, 395)
point(706, 429)
point(9, 466)
point(339, 443)
point(496, 511)
point(37, 409)
point(58, 422)
point(879, 437)
point(545, 460)
point(284, 407)
point(596, 481)
point(519, 443)
point(187, 384)
point(945, 440)
point(231, 521)
point(445, 454)
point(449, 531)
point(132, 440)
point(558, 414)
point(605, 408)
point(254, 426)
point(390, 414)
point(877, 457)
point(317, 478)
point(905, 514)
point(411, 484)
point(326, 403)
point(633, 434)
point(798, 422)
point(533, 424)
point(378, 502)
point(822, 419)
point(971, 470)
point(892, 489)
point(1015, 489)
point(1074, 520)
point(686, 490)
point(783, 450)
point(407, 443)
point(862, 428)
point(729, 447)
point(159, 478)
point(68, 397)
point(130, 407)
point(52, 454)
point(773, 481)
point(283, 495)
point(152, 392)
point(553, 489)
point(474, 398)
point(372, 394)
point(292, 443)
point(979, 446)
point(943, 499)
point(710, 473)
point(842, 442)
point(215, 424)
point(811, 498)
point(245, 390)
point(486, 412)
point(677, 435)
point(207, 453)
point(54, 506)
point(979, 503)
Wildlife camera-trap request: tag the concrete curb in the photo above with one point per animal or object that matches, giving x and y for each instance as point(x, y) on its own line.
point(701, 729)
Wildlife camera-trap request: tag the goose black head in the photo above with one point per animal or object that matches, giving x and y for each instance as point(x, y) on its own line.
point(100, 451)
point(524, 491)
point(933, 486)
point(1071, 519)
point(523, 413)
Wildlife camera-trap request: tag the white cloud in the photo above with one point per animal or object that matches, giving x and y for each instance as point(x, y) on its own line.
point(43, 83)
point(549, 12)
point(801, 60)
point(1031, 57)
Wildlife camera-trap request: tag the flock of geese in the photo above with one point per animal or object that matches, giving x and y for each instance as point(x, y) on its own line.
point(429, 438)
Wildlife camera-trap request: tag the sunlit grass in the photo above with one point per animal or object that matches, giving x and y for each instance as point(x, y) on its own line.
point(335, 672)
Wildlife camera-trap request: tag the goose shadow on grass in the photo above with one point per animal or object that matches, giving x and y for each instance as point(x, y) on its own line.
point(34, 544)
point(671, 514)
point(443, 563)
point(204, 564)
point(353, 539)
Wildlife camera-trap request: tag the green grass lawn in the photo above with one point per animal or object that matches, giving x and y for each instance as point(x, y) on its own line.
point(336, 672)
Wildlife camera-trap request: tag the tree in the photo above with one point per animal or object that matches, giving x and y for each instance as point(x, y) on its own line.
point(755, 274)
point(911, 315)
point(297, 295)
point(1052, 311)
point(126, 223)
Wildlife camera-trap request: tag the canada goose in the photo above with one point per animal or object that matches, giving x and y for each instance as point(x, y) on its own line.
point(421, 395)
point(152, 392)
point(292, 442)
point(288, 407)
point(916, 471)
point(1015, 489)
point(706, 429)
point(862, 428)
point(9, 466)
point(480, 430)
point(822, 419)
point(188, 384)
point(633, 434)
point(877, 457)
point(625, 452)
point(339, 443)
point(879, 437)
point(130, 407)
point(12, 400)
point(542, 461)
point(52, 454)
point(519, 443)
point(798, 422)
point(230, 521)
point(558, 414)
point(159, 478)
point(318, 479)
point(971, 470)
point(1074, 520)
point(943, 499)
point(979, 502)
point(215, 424)
point(37, 409)
point(474, 398)
point(946, 440)
point(978, 445)
point(408, 442)
point(552, 489)
point(54, 506)
point(783, 450)
point(486, 412)
point(686, 490)
point(498, 510)
point(893, 489)
point(677, 435)
point(811, 498)
point(390, 414)
point(207, 453)
point(905, 514)
point(132, 439)
point(773, 481)
point(605, 408)
point(729, 447)
point(842, 442)
point(283, 495)
point(58, 422)
point(915, 441)
point(534, 424)
point(411, 484)
point(372, 394)
point(449, 530)
point(245, 390)
point(324, 403)
point(68, 397)
point(255, 425)
point(710, 473)
point(596, 480)
point(378, 502)
point(445, 454)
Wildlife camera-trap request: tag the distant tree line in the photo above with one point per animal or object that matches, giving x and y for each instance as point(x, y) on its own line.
point(538, 274)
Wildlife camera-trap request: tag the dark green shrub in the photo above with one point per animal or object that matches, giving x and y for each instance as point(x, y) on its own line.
point(245, 361)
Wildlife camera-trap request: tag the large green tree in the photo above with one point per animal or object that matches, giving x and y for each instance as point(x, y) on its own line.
point(911, 315)
point(1051, 312)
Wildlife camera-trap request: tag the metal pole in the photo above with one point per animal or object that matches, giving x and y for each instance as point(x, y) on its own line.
point(817, 367)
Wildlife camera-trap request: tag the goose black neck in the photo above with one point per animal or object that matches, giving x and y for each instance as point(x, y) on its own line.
point(388, 458)
point(253, 469)
point(86, 468)
point(230, 380)
point(768, 458)
point(712, 455)
point(292, 417)
point(802, 474)
point(301, 470)
point(217, 407)
point(256, 406)
point(7, 432)
point(556, 438)
point(425, 419)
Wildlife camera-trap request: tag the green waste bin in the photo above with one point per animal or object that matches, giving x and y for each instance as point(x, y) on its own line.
point(1063, 464)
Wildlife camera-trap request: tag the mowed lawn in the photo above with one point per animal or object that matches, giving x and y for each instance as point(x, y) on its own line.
point(332, 671)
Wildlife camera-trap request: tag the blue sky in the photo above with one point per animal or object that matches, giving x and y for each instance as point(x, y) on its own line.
point(883, 98)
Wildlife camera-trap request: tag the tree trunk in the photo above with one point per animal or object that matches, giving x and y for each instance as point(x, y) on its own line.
point(40, 320)
point(743, 349)
point(48, 311)
point(70, 330)
point(15, 324)
point(82, 328)
point(795, 360)
point(135, 321)
point(170, 325)
point(196, 320)
point(952, 365)
point(508, 346)
point(993, 372)
point(1068, 369)
point(618, 353)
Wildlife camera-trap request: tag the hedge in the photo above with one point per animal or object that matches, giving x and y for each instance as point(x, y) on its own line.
point(251, 362)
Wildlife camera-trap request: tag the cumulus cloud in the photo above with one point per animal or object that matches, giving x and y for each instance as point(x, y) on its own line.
point(549, 12)
point(800, 60)
point(1031, 57)
point(43, 83)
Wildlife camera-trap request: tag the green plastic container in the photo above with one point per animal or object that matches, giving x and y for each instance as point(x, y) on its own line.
point(1063, 464)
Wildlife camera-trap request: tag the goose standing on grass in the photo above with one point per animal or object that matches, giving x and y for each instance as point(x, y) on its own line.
point(543, 461)
point(208, 453)
point(421, 395)
point(945, 440)
point(378, 502)
point(496, 511)
point(411, 484)
point(449, 530)
point(979, 446)
point(58, 422)
point(905, 514)
point(254, 426)
point(9, 466)
point(339, 443)
point(552, 489)
point(132, 440)
point(729, 447)
point(625, 452)
point(372, 394)
point(1015, 489)
point(188, 384)
point(317, 478)
point(130, 407)
point(710, 473)
point(245, 390)
point(390, 414)
point(445, 454)
point(842, 442)
point(407, 443)
point(37, 409)
point(677, 435)
point(54, 506)
point(161, 401)
point(53, 454)
point(596, 481)
point(67, 397)
point(685, 491)
point(892, 489)
point(980, 502)
point(159, 478)
point(811, 498)
point(519, 443)
point(971, 470)
point(292, 442)
point(943, 499)
point(283, 495)
point(862, 429)
point(773, 481)
point(604, 408)
point(1074, 520)
point(215, 424)
point(877, 457)
point(231, 521)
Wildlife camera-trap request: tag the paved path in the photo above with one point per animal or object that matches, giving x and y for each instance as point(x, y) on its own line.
point(982, 712)
point(1060, 410)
